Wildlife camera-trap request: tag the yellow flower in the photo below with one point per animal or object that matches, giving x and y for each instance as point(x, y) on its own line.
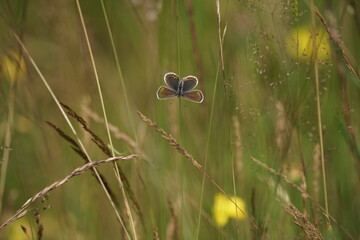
point(299, 44)
point(224, 208)
point(14, 67)
point(23, 124)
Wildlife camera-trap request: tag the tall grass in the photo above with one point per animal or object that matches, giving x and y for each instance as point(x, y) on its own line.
point(278, 130)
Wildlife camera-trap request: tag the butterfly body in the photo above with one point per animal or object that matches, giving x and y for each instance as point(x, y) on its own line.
point(179, 91)
point(180, 88)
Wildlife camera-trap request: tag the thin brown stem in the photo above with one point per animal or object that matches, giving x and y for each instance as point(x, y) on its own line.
point(318, 109)
point(22, 211)
point(174, 143)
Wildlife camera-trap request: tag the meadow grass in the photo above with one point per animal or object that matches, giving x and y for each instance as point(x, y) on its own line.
point(271, 153)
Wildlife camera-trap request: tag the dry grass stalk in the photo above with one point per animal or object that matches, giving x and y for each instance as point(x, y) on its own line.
point(39, 225)
point(26, 53)
point(303, 192)
point(300, 220)
point(238, 145)
point(24, 229)
point(126, 185)
point(119, 174)
point(96, 139)
point(100, 143)
point(319, 112)
point(77, 149)
point(172, 228)
point(280, 126)
point(316, 176)
point(23, 209)
point(156, 234)
point(85, 102)
point(116, 168)
point(346, 110)
point(172, 142)
point(303, 196)
point(116, 133)
point(284, 177)
point(182, 151)
point(334, 36)
point(239, 157)
point(74, 145)
point(7, 142)
point(221, 35)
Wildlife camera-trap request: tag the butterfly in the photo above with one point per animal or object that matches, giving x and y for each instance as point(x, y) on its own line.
point(180, 88)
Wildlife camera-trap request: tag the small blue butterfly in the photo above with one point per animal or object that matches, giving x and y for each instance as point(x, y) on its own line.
point(180, 88)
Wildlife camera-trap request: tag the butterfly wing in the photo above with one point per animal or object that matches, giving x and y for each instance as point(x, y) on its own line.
point(190, 82)
point(194, 96)
point(165, 93)
point(172, 80)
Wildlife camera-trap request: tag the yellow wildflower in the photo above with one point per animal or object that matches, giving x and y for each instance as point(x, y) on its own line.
point(23, 124)
point(224, 208)
point(300, 44)
point(13, 65)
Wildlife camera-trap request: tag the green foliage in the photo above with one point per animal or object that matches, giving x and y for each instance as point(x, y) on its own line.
point(263, 106)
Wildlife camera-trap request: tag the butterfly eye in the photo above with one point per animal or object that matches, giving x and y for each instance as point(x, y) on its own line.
point(172, 80)
point(165, 93)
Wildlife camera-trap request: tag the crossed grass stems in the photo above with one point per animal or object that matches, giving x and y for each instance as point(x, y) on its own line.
point(290, 209)
point(23, 210)
point(299, 219)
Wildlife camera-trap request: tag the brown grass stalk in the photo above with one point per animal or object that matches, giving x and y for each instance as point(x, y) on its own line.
point(116, 133)
point(319, 113)
point(334, 36)
point(172, 227)
point(282, 176)
point(23, 209)
point(123, 181)
point(221, 35)
point(346, 111)
point(239, 151)
point(301, 221)
point(116, 168)
point(45, 82)
point(316, 178)
point(7, 143)
point(156, 234)
point(77, 149)
point(40, 226)
point(281, 127)
point(303, 192)
point(95, 138)
point(173, 142)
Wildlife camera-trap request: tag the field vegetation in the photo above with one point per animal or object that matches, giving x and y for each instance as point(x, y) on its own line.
point(88, 151)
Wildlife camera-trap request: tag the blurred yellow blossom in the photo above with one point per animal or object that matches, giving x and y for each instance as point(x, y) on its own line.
point(13, 65)
point(224, 208)
point(299, 44)
point(23, 124)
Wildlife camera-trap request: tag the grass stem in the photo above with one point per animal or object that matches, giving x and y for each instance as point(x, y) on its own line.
point(318, 110)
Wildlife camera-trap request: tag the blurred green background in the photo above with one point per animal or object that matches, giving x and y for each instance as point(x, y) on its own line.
point(261, 102)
